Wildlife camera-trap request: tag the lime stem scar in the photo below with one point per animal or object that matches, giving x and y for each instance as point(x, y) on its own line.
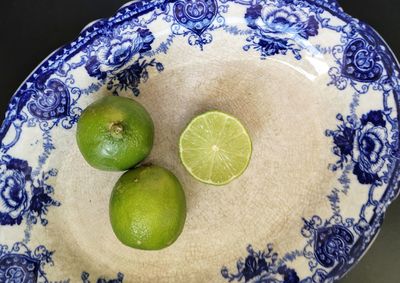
point(116, 130)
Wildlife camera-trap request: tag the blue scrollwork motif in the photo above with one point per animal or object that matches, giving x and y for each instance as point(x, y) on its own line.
point(196, 15)
point(22, 265)
point(49, 101)
point(19, 268)
point(195, 18)
point(332, 244)
point(361, 62)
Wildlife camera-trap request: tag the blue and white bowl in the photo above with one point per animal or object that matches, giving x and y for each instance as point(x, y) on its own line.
point(317, 89)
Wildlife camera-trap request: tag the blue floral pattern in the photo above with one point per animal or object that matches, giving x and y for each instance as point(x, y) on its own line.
point(279, 28)
point(121, 53)
point(364, 143)
point(114, 51)
point(15, 176)
point(21, 196)
point(130, 78)
point(85, 278)
point(261, 266)
point(125, 46)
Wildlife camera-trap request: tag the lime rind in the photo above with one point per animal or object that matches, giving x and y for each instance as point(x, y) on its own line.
point(215, 148)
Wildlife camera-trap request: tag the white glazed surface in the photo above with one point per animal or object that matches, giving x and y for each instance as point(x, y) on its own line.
point(302, 192)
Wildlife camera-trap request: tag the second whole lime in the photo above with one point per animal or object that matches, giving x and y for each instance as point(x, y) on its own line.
point(148, 208)
point(115, 133)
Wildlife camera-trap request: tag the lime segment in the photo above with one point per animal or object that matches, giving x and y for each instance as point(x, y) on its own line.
point(215, 148)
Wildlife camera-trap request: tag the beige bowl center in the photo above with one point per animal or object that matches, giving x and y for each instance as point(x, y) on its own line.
point(286, 111)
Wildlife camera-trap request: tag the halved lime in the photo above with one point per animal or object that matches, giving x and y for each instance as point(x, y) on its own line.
point(215, 148)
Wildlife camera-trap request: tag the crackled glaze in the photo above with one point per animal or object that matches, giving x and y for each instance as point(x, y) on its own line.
point(317, 89)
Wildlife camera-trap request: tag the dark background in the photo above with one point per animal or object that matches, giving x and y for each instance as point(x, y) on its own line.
point(30, 30)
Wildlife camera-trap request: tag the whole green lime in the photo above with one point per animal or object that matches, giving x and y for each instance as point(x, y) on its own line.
point(148, 208)
point(115, 133)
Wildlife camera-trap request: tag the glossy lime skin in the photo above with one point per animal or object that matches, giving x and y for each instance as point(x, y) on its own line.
point(115, 133)
point(148, 208)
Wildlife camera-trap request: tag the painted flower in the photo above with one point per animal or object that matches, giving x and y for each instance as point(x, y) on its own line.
point(364, 142)
point(115, 52)
point(282, 23)
point(261, 267)
point(289, 275)
point(14, 178)
point(255, 267)
point(120, 278)
point(370, 148)
point(279, 28)
point(345, 140)
point(130, 77)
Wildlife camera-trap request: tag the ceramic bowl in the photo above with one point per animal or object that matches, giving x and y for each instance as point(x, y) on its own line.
point(317, 89)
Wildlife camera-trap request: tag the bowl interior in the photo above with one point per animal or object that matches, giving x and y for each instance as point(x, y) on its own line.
point(314, 93)
point(285, 107)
